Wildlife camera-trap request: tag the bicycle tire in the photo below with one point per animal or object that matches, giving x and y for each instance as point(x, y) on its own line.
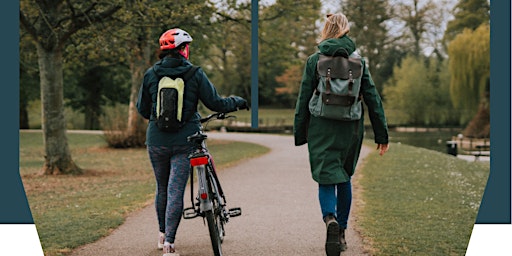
point(214, 233)
point(217, 202)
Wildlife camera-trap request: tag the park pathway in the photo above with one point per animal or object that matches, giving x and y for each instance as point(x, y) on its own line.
point(280, 211)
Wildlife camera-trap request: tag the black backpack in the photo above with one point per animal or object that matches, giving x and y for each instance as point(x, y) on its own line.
point(169, 105)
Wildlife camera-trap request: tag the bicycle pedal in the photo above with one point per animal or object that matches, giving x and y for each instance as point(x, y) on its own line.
point(190, 213)
point(234, 212)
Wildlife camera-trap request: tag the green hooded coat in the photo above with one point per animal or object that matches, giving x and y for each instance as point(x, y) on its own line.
point(333, 145)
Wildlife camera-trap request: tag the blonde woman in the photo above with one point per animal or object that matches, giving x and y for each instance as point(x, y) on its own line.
point(334, 145)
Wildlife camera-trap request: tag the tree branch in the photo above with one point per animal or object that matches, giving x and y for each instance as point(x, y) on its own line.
point(83, 20)
point(27, 26)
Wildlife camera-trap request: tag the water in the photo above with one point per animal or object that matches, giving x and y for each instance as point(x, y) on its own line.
point(433, 140)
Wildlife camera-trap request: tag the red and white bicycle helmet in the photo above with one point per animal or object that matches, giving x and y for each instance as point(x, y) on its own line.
point(173, 38)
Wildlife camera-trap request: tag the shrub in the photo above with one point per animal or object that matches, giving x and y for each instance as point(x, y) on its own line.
point(116, 132)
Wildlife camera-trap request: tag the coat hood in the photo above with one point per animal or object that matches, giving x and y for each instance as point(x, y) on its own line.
point(337, 46)
point(169, 66)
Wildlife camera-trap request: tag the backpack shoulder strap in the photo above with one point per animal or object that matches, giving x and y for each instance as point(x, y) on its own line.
point(190, 73)
point(158, 77)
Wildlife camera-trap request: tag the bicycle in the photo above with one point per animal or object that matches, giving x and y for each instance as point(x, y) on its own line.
point(210, 201)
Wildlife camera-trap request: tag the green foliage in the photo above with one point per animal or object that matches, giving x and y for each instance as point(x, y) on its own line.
point(107, 58)
point(369, 31)
point(469, 66)
point(420, 88)
point(420, 202)
point(229, 59)
point(90, 89)
point(468, 14)
point(52, 24)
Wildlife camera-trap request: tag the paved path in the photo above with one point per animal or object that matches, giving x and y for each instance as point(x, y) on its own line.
point(280, 211)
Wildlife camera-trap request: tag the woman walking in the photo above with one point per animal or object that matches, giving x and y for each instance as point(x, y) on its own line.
point(168, 151)
point(334, 145)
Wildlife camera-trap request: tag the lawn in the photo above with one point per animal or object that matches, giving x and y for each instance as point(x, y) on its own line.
point(70, 211)
point(419, 202)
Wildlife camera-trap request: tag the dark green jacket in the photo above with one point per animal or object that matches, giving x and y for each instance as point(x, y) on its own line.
point(333, 145)
point(198, 88)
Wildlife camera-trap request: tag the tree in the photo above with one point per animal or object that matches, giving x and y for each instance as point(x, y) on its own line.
point(94, 74)
point(90, 88)
point(369, 30)
point(419, 88)
point(471, 15)
point(227, 60)
point(288, 35)
point(29, 79)
point(469, 65)
point(422, 21)
point(142, 24)
point(468, 14)
point(51, 24)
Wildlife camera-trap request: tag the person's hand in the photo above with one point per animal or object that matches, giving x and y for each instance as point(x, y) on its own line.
point(383, 148)
point(240, 103)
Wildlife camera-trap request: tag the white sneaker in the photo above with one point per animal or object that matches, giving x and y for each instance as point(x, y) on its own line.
point(161, 239)
point(169, 250)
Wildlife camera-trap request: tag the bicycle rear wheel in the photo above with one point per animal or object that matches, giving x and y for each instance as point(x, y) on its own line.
point(214, 232)
point(217, 203)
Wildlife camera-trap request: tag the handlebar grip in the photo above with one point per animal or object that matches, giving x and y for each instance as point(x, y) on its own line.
point(243, 107)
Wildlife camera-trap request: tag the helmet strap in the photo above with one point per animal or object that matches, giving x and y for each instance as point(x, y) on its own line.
point(185, 51)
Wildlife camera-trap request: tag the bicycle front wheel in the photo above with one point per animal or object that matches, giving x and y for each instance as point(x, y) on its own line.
point(214, 232)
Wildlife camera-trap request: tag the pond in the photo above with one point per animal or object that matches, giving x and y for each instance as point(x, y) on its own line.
point(432, 139)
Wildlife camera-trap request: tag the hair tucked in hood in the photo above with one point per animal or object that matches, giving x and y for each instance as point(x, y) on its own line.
point(337, 46)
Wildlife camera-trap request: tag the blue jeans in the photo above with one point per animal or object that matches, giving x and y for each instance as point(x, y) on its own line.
point(335, 200)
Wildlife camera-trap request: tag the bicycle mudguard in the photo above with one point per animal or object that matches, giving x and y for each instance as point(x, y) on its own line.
point(205, 202)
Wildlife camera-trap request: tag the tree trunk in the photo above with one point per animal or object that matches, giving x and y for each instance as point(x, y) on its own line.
point(136, 123)
point(91, 118)
point(57, 155)
point(24, 124)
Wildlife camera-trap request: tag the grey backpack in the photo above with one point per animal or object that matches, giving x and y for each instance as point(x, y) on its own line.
point(337, 95)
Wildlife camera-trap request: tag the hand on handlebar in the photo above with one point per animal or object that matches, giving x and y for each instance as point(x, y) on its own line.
point(240, 103)
point(243, 107)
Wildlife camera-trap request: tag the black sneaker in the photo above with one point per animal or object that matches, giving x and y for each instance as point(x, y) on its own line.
point(332, 242)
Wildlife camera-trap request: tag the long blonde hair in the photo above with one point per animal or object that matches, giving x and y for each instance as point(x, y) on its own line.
point(336, 25)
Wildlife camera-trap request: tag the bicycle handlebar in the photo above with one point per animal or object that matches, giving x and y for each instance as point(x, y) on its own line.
point(218, 116)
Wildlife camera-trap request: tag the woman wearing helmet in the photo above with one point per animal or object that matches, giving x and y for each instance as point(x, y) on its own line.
point(168, 151)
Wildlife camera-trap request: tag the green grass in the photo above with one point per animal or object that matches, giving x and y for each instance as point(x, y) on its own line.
point(420, 202)
point(70, 211)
